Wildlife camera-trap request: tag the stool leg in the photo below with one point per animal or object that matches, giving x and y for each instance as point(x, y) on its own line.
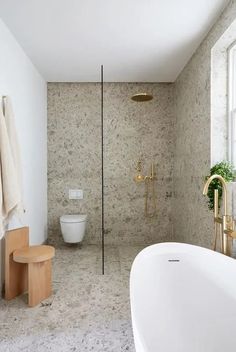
point(39, 282)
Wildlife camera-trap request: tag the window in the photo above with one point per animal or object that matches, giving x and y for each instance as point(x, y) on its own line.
point(232, 104)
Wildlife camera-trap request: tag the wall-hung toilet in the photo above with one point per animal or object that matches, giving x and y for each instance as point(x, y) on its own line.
point(73, 227)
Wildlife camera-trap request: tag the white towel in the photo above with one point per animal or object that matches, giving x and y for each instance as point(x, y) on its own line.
point(15, 146)
point(10, 193)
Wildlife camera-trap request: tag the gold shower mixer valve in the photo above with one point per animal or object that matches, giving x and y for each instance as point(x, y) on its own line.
point(139, 177)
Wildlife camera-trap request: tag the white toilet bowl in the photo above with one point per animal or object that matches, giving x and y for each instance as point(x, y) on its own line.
point(73, 227)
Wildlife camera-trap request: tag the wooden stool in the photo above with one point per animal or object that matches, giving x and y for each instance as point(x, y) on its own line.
point(27, 267)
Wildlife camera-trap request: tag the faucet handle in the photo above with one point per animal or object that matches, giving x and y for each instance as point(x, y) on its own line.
point(218, 220)
point(230, 233)
point(229, 222)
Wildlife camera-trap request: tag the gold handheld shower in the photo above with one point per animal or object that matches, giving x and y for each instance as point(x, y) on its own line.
point(150, 195)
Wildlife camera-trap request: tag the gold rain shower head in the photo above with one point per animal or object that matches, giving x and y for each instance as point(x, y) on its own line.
point(140, 97)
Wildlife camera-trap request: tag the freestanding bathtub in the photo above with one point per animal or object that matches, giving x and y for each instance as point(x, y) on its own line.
point(183, 299)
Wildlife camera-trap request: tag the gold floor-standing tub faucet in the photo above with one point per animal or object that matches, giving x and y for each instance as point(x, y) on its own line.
point(225, 224)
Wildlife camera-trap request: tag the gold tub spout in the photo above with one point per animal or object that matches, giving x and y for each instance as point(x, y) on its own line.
point(225, 196)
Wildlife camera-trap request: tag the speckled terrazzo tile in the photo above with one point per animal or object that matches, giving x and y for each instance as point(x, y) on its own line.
point(101, 338)
point(88, 311)
point(131, 131)
point(127, 255)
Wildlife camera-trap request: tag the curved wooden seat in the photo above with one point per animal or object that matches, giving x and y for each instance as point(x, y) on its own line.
point(27, 268)
point(33, 254)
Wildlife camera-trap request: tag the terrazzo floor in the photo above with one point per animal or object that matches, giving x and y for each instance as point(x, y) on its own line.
point(87, 311)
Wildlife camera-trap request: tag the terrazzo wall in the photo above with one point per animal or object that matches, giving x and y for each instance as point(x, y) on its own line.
point(192, 220)
point(131, 130)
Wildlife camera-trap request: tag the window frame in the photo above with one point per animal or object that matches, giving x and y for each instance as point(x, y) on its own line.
point(232, 104)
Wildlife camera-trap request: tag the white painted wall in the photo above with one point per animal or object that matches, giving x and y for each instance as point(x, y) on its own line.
point(20, 80)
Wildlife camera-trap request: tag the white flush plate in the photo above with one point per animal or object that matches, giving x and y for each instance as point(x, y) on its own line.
point(76, 194)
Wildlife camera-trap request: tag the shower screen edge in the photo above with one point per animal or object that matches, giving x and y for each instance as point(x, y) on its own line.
point(102, 172)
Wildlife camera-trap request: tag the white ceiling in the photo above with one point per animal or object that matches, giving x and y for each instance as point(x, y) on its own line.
point(135, 40)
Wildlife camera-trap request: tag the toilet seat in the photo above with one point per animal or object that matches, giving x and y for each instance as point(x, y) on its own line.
point(73, 218)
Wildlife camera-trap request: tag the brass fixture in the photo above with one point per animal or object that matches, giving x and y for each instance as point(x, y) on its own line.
point(139, 177)
point(140, 97)
point(225, 195)
point(149, 188)
point(224, 226)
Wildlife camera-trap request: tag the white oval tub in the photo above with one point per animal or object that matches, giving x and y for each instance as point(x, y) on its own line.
point(183, 299)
